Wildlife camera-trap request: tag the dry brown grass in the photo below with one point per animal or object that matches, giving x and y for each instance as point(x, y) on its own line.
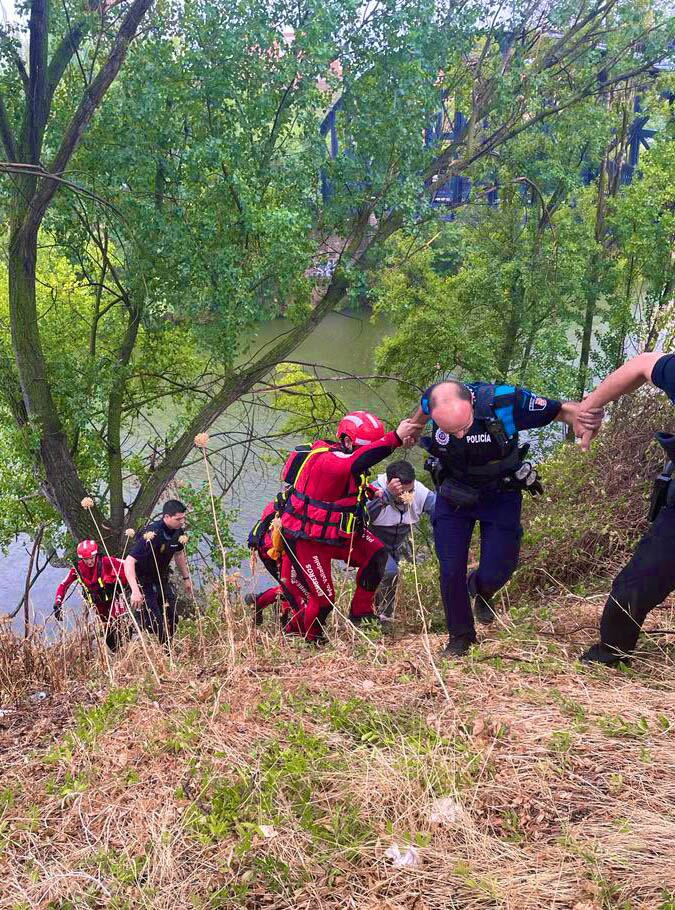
point(595, 505)
point(280, 779)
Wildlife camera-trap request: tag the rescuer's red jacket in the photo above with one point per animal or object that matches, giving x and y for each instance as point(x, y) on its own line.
point(327, 496)
point(99, 579)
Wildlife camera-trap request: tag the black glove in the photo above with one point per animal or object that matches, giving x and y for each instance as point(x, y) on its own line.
point(58, 611)
point(535, 488)
point(527, 479)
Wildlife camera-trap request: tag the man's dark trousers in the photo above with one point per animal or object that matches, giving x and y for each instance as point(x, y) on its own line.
point(500, 533)
point(158, 613)
point(641, 585)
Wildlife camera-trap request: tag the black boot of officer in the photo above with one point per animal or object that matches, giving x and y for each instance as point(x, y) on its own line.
point(483, 607)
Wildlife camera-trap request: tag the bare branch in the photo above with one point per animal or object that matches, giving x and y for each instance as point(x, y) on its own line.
point(68, 46)
point(87, 107)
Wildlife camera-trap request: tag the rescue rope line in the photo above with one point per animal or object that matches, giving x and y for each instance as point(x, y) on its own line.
point(102, 651)
point(359, 499)
point(221, 545)
point(165, 616)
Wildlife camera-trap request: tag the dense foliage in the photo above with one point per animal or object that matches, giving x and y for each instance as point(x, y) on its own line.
point(167, 186)
point(505, 292)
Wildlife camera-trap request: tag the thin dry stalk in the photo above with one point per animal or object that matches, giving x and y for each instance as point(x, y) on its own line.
point(202, 442)
point(88, 504)
point(422, 612)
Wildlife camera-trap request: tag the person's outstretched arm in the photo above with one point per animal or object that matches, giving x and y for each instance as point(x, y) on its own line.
point(61, 592)
point(130, 572)
point(629, 377)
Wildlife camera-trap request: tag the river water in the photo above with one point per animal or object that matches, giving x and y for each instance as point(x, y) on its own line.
point(341, 342)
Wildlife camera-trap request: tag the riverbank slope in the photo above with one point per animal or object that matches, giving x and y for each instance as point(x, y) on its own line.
point(282, 777)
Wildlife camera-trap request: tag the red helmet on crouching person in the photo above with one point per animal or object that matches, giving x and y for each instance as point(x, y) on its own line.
point(361, 427)
point(87, 549)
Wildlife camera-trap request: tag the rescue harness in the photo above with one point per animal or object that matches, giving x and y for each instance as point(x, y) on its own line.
point(317, 519)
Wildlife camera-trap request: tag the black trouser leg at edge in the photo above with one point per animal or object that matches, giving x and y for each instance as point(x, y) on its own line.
point(154, 616)
point(642, 584)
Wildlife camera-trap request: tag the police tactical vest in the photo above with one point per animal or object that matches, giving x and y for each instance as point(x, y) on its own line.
point(164, 544)
point(494, 419)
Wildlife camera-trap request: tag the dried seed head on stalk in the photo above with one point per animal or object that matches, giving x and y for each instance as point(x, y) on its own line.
point(407, 497)
point(130, 533)
point(87, 503)
point(202, 440)
point(183, 539)
point(149, 535)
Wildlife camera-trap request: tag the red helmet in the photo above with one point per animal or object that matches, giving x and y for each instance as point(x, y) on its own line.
point(362, 427)
point(86, 549)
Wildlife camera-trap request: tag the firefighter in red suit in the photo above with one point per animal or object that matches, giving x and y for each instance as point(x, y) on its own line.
point(102, 579)
point(288, 593)
point(324, 519)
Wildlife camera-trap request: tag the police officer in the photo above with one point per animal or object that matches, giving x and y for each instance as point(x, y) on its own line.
point(479, 470)
point(649, 576)
point(147, 570)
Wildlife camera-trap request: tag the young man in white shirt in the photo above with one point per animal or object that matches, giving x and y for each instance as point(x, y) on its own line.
point(392, 519)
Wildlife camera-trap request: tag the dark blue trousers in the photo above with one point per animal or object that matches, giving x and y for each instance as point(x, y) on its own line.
point(500, 533)
point(158, 613)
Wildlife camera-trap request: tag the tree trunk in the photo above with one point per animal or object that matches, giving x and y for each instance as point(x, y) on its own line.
point(587, 331)
point(61, 484)
point(231, 390)
point(527, 353)
point(115, 403)
point(507, 349)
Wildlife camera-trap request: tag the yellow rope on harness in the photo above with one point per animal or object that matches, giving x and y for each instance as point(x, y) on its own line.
point(276, 551)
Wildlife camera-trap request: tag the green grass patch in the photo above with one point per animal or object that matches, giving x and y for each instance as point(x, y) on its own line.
point(92, 722)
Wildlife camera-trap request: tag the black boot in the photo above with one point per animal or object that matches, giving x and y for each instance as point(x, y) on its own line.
point(483, 608)
point(601, 654)
point(459, 645)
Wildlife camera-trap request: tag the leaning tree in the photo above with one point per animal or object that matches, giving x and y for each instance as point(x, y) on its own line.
point(192, 190)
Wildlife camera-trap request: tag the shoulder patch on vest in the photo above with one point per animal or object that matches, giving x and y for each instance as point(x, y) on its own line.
point(442, 438)
point(537, 404)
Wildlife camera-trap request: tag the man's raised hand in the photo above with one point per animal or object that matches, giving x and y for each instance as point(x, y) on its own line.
point(395, 487)
point(587, 423)
point(408, 431)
